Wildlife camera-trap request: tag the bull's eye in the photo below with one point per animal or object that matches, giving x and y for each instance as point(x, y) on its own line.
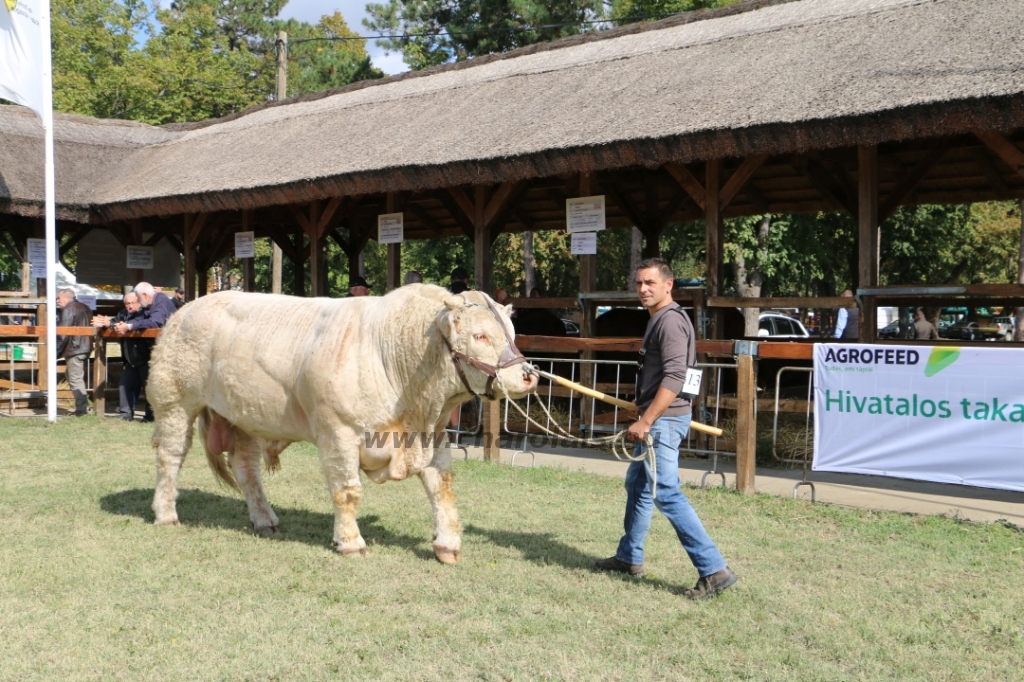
point(480, 337)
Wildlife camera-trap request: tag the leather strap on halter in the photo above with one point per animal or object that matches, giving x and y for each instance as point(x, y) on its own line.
point(509, 356)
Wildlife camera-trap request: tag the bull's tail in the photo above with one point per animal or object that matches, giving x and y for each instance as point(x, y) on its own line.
point(217, 435)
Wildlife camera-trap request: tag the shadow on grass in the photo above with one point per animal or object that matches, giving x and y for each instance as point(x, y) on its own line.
point(200, 509)
point(544, 549)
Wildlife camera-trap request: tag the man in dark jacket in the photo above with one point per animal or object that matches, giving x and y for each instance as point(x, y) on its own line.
point(134, 353)
point(74, 349)
point(155, 309)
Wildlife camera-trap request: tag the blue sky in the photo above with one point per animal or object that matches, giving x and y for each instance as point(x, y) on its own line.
point(353, 10)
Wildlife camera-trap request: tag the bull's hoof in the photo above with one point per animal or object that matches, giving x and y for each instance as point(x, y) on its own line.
point(355, 551)
point(267, 531)
point(447, 556)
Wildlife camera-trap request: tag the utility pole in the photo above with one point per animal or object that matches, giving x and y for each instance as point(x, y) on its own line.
point(282, 93)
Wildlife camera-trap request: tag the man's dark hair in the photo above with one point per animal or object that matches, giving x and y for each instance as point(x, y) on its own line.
point(664, 269)
point(459, 273)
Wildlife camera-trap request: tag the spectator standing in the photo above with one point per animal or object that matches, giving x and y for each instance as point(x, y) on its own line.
point(413, 277)
point(357, 286)
point(135, 354)
point(179, 298)
point(458, 280)
point(74, 349)
point(923, 329)
point(669, 347)
point(848, 320)
point(154, 310)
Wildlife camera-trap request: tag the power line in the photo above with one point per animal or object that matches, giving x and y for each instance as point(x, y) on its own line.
point(509, 29)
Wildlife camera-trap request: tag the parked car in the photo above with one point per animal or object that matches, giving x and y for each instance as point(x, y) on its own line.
point(779, 326)
point(1006, 325)
point(571, 329)
point(974, 331)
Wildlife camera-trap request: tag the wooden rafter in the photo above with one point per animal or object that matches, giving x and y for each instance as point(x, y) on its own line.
point(74, 239)
point(8, 243)
point(740, 178)
point(830, 187)
point(911, 179)
point(281, 238)
point(627, 206)
point(1006, 150)
point(424, 218)
point(457, 213)
point(688, 182)
point(988, 169)
point(507, 194)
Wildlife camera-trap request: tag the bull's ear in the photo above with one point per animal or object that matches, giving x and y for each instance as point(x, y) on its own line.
point(508, 310)
point(454, 302)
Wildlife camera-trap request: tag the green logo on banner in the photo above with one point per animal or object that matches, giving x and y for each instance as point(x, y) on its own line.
point(940, 359)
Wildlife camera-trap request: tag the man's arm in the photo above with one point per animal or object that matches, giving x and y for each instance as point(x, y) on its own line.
point(841, 319)
point(662, 399)
point(157, 318)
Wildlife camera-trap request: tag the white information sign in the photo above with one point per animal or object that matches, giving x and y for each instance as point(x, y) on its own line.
point(390, 229)
point(37, 256)
point(245, 244)
point(941, 413)
point(585, 214)
point(584, 243)
point(140, 257)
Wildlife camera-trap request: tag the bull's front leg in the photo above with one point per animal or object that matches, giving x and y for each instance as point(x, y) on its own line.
point(437, 479)
point(339, 459)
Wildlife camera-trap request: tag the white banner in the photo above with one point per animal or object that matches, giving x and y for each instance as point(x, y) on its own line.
point(21, 53)
point(585, 214)
point(390, 228)
point(940, 413)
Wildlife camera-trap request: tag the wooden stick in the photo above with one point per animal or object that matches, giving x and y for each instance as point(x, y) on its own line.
point(597, 395)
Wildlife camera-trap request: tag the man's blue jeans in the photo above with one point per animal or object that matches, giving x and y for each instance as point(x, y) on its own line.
point(668, 433)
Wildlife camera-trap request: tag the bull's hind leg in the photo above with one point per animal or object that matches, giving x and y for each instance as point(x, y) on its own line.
point(244, 458)
point(172, 438)
point(339, 459)
point(437, 479)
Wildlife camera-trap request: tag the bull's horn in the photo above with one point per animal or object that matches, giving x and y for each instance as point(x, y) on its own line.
point(454, 302)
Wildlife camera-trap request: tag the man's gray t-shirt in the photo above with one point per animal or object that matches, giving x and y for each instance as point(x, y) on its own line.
point(668, 342)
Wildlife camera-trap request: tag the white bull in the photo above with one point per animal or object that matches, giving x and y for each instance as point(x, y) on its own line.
point(258, 372)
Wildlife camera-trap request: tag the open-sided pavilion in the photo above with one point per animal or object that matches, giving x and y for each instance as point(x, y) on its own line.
point(765, 106)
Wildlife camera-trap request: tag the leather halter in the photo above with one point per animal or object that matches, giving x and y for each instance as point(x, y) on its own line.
point(509, 356)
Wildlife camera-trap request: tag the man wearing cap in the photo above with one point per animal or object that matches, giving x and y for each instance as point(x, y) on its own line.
point(357, 286)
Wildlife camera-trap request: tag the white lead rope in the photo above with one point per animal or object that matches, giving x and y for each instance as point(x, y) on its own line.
point(618, 442)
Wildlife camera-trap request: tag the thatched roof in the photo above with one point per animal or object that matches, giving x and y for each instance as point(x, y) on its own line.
point(769, 77)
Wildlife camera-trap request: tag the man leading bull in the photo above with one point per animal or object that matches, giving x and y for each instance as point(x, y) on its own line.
point(668, 349)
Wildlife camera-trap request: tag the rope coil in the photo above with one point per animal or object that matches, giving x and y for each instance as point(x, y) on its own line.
point(620, 449)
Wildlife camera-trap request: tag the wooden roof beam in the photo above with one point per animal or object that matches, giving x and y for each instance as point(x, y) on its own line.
point(688, 182)
point(1004, 149)
point(988, 169)
point(281, 238)
point(75, 238)
point(456, 207)
point(914, 176)
point(828, 186)
point(8, 243)
point(424, 218)
point(637, 218)
point(738, 179)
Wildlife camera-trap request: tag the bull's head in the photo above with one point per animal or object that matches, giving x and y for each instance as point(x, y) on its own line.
point(481, 340)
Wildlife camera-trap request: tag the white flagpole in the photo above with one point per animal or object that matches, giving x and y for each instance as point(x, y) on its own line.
point(51, 221)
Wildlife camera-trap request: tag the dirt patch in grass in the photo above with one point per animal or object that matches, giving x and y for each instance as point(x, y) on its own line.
point(90, 589)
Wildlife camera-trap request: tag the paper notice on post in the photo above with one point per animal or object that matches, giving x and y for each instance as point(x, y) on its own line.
point(390, 229)
point(140, 257)
point(584, 243)
point(585, 214)
point(245, 245)
point(37, 256)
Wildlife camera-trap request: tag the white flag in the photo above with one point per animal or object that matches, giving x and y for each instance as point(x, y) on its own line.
point(21, 52)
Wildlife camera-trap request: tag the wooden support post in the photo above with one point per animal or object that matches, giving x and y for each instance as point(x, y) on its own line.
point(299, 287)
point(867, 236)
point(190, 258)
point(316, 251)
point(394, 266)
point(588, 283)
point(44, 350)
point(746, 423)
point(248, 264)
point(482, 264)
point(99, 376)
point(715, 239)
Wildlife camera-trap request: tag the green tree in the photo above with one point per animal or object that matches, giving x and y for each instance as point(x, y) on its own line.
point(327, 55)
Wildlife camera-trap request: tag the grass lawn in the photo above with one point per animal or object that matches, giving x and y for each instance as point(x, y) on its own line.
point(90, 589)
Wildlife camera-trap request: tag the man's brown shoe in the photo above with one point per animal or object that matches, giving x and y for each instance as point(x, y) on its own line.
point(613, 564)
point(711, 585)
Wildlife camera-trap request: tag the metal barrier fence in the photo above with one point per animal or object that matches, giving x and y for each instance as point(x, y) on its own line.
point(454, 433)
point(21, 360)
point(615, 378)
point(799, 453)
